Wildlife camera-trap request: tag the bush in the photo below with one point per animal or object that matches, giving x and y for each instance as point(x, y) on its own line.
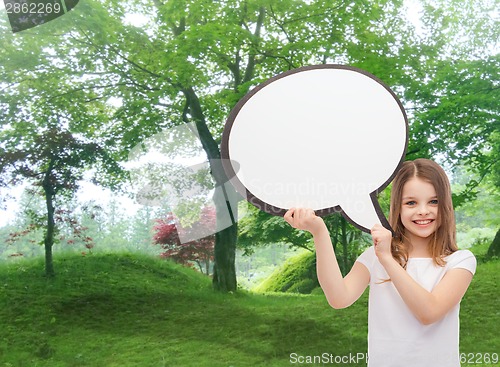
point(297, 275)
point(305, 286)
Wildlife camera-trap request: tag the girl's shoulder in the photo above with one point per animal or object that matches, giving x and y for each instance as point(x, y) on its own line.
point(463, 259)
point(460, 254)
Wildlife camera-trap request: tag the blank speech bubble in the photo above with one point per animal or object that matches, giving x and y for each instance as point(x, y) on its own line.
point(326, 137)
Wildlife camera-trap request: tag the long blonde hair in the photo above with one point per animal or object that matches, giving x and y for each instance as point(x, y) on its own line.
point(443, 240)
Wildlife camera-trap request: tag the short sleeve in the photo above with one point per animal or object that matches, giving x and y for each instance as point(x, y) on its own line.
point(462, 259)
point(367, 257)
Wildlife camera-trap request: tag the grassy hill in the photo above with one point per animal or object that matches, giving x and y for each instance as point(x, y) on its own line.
point(296, 275)
point(131, 310)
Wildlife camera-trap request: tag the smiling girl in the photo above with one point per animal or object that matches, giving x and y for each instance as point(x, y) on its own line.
point(417, 277)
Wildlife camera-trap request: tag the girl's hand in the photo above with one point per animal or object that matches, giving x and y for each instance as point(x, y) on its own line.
point(382, 239)
point(305, 219)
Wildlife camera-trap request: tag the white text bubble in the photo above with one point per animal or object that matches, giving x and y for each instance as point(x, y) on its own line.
point(327, 137)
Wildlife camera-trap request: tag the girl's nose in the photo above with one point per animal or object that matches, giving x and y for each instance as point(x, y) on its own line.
point(423, 210)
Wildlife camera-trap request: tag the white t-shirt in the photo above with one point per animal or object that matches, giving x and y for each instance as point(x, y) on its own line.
point(395, 336)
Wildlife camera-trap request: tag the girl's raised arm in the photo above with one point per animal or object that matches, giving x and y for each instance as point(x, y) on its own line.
point(428, 307)
point(340, 292)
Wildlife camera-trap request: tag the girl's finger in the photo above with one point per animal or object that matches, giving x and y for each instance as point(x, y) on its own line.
point(289, 213)
point(289, 216)
point(297, 215)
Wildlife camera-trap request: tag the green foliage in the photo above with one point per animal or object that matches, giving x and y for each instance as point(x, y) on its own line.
point(494, 247)
point(475, 237)
point(253, 268)
point(257, 227)
point(111, 226)
point(305, 286)
point(296, 275)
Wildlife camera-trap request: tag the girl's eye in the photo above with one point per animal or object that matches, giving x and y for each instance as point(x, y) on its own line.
point(410, 202)
point(434, 202)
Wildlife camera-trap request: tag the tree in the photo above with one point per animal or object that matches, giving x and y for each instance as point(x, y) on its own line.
point(455, 109)
point(55, 161)
point(47, 138)
point(168, 234)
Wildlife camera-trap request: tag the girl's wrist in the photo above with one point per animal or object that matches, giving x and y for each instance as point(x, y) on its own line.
point(386, 259)
point(320, 229)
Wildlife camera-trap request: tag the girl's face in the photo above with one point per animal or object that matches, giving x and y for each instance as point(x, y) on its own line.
point(419, 209)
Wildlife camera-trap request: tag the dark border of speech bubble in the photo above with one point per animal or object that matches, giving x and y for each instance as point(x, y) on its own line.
point(254, 200)
point(35, 13)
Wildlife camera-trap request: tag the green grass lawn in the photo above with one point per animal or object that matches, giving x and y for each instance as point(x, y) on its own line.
point(133, 310)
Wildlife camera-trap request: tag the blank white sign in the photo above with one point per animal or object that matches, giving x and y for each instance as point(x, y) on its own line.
point(326, 137)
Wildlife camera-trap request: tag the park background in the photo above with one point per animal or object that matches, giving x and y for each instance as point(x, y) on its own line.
point(91, 278)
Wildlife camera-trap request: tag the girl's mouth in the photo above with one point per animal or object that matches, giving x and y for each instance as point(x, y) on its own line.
point(423, 222)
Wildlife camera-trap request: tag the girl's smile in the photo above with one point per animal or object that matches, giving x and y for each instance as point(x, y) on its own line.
point(423, 222)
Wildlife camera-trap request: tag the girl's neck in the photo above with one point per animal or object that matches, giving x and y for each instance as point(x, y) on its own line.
point(419, 247)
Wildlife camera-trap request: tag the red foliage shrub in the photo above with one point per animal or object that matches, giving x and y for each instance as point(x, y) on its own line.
point(168, 232)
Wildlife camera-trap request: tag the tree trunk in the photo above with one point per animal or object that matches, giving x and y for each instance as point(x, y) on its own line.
point(224, 276)
point(225, 197)
point(494, 249)
point(48, 240)
point(224, 271)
